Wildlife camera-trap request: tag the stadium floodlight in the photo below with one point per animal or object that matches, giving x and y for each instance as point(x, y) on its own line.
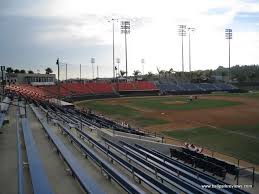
point(190, 30)
point(93, 61)
point(182, 33)
point(125, 29)
point(113, 50)
point(228, 36)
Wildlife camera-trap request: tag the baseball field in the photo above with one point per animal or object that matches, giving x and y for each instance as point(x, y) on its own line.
point(227, 123)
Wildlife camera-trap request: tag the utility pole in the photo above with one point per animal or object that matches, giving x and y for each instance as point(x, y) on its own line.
point(228, 36)
point(125, 29)
point(190, 30)
point(182, 33)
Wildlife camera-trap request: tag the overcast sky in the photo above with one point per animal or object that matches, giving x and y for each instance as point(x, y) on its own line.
point(34, 33)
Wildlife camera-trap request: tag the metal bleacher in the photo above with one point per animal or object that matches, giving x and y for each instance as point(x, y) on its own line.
point(39, 179)
point(113, 173)
point(142, 176)
point(207, 179)
point(158, 171)
point(19, 160)
point(85, 180)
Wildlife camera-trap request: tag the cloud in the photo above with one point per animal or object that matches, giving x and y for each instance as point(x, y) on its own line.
point(76, 30)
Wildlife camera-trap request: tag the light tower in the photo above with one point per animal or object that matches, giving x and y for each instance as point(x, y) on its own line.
point(113, 49)
point(182, 33)
point(125, 29)
point(92, 62)
point(228, 36)
point(190, 30)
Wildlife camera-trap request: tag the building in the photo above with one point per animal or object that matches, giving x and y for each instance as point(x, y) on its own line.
point(26, 78)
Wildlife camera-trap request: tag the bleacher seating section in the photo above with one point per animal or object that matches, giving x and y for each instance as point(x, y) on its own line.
point(104, 88)
point(209, 164)
point(39, 179)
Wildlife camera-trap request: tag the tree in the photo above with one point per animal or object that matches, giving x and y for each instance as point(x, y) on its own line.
point(9, 70)
point(122, 73)
point(22, 71)
point(30, 72)
point(16, 71)
point(150, 74)
point(136, 73)
point(48, 70)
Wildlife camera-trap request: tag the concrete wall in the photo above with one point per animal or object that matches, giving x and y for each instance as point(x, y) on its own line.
point(161, 147)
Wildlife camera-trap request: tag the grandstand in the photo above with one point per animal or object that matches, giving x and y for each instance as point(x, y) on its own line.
point(114, 165)
point(76, 91)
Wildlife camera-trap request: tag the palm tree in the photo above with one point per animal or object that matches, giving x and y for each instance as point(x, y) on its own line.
point(48, 70)
point(16, 71)
point(122, 73)
point(136, 73)
point(22, 71)
point(30, 72)
point(9, 70)
point(150, 74)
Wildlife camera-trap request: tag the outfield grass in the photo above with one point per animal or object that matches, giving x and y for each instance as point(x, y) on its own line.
point(248, 95)
point(221, 140)
point(111, 109)
point(145, 121)
point(252, 130)
point(168, 103)
point(122, 112)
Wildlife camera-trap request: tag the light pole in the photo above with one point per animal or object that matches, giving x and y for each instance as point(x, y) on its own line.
point(66, 72)
point(125, 29)
point(228, 36)
point(93, 61)
point(97, 71)
point(113, 50)
point(143, 62)
point(190, 30)
point(182, 33)
point(118, 64)
point(80, 73)
point(57, 63)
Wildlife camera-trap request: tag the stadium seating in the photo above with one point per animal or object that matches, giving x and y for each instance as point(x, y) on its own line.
point(85, 180)
point(103, 88)
point(207, 163)
point(39, 179)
